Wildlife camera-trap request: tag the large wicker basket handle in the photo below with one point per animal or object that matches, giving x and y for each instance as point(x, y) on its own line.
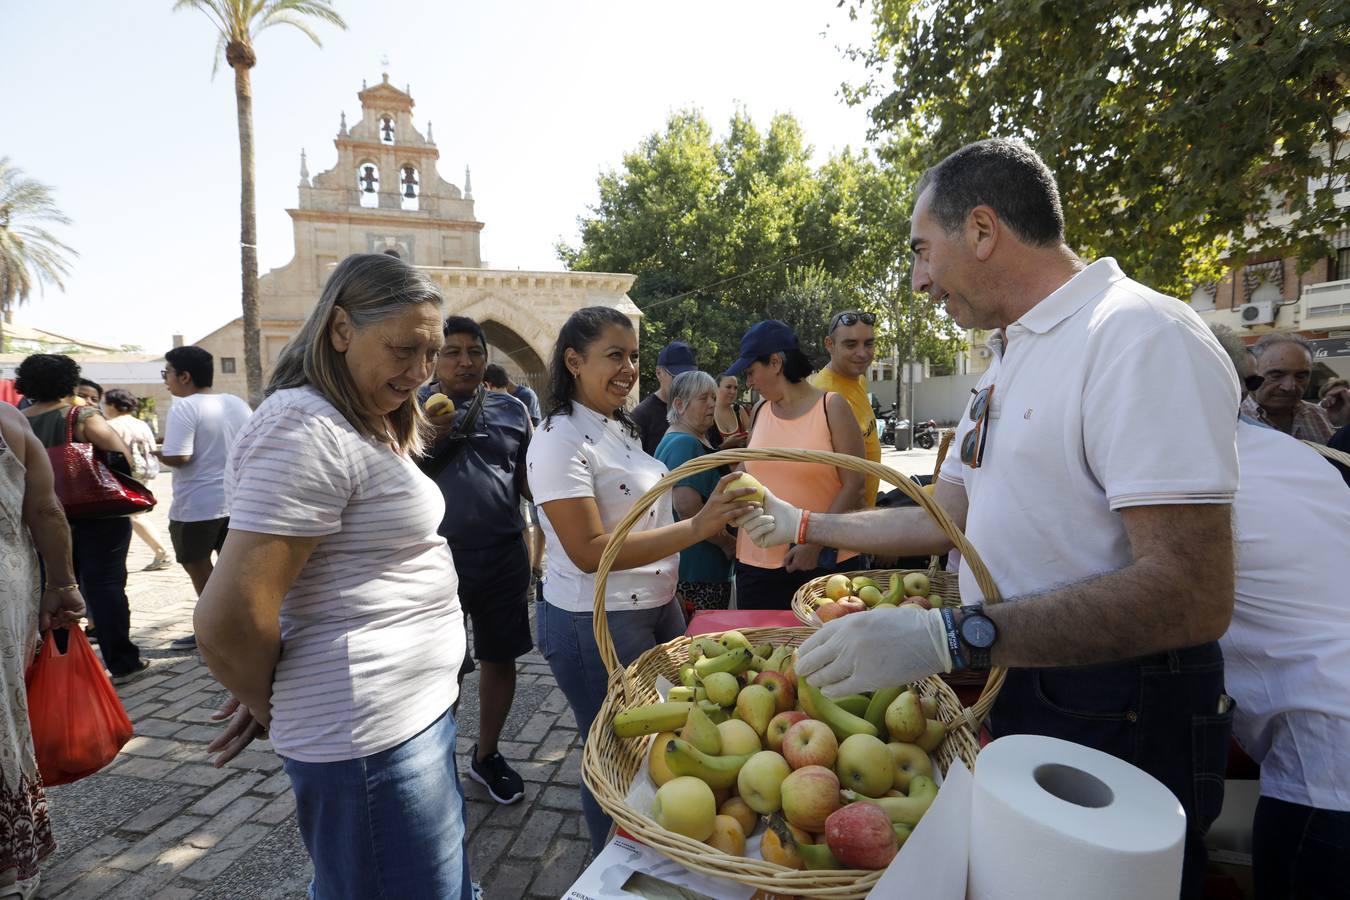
point(969, 557)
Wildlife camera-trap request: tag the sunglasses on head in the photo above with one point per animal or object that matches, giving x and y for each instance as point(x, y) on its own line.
point(972, 445)
point(849, 319)
point(1254, 381)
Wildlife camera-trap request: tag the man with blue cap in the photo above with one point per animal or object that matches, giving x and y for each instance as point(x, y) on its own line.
point(674, 359)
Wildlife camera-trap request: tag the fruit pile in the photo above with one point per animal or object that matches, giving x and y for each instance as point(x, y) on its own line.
point(844, 595)
point(743, 739)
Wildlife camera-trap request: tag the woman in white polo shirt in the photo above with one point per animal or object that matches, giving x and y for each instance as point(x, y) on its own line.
point(333, 613)
point(586, 470)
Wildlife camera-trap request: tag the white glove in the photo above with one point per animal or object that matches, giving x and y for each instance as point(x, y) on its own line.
point(773, 525)
point(876, 649)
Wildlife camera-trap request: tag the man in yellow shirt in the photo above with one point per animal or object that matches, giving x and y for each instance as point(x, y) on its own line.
point(852, 345)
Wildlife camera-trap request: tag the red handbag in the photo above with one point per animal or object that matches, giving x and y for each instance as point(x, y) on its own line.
point(87, 487)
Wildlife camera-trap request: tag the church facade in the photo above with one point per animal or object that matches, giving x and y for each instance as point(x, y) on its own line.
point(385, 194)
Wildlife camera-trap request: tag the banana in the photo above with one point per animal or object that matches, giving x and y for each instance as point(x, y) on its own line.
point(681, 695)
point(902, 833)
point(876, 707)
point(651, 719)
point(687, 677)
point(707, 647)
point(897, 590)
point(903, 810)
point(842, 722)
point(756, 664)
point(718, 772)
point(854, 703)
point(734, 661)
point(776, 659)
point(815, 856)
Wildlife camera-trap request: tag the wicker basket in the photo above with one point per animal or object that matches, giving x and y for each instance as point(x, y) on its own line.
point(610, 764)
point(808, 596)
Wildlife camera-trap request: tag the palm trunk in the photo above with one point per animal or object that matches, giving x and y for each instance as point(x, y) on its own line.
point(248, 235)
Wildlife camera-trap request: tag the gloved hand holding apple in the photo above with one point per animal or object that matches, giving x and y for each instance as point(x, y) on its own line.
point(775, 523)
point(885, 647)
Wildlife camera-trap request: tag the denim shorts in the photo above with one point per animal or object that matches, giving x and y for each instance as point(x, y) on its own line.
point(389, 825)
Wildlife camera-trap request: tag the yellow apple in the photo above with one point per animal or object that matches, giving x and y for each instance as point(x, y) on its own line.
point(685, 805)
point(728, 836)
point(760, 781)
point(738, 738)
point(838, 587)
point(909, 760)
point(916, 585)
point(864, 765)
point(746, 480)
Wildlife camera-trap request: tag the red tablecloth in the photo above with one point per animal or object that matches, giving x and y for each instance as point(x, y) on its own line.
point(707, 620)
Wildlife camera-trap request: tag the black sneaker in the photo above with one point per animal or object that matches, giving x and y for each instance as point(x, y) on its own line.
point(493, 773)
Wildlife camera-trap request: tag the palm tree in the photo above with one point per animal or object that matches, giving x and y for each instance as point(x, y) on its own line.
point(239, 23)
point(29, 253)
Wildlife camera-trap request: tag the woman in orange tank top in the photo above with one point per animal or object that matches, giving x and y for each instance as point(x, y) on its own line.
point(796, 415)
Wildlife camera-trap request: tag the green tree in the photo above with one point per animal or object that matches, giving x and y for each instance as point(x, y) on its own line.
point(1175, 128)
point(29, 253)
point(238, 23)
point(724, 232)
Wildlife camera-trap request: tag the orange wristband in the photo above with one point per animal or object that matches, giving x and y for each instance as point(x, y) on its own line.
point(801, 526)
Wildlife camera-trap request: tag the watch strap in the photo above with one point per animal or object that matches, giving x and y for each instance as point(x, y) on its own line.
point(980, 657)
point(953, 639)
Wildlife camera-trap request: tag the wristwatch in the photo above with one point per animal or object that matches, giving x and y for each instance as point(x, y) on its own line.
point(978, 633)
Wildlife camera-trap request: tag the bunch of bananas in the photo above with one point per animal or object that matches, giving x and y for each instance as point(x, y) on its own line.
point(742, 739)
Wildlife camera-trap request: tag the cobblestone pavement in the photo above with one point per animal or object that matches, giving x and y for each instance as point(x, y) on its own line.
point(161, 823)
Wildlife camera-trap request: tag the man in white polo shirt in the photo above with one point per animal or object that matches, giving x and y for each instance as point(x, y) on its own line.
point(1095, 476)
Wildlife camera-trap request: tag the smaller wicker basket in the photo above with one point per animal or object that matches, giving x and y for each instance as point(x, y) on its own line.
point(610, 763)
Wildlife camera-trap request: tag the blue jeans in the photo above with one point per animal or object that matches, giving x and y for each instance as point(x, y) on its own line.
point(1159, 713)
point(389, 825)
point(567, 641)
point(1298, 852)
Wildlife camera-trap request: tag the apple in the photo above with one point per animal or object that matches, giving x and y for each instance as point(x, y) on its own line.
point(921, 602)
point(722, 688)
point(810, 743)
point(778, 728)
point(746, 480)
point(837, 587)
point(908, 760)
point(685, 805)
point(916, 585)
point(656, 758)
point(760, 781)
point(904, 718)
point(786, 855)
point(861, 837)
point(738, 738)
point(809, 795)
point(728, 836)
point(784, 692)
point(830, 611)
point(865, 765)
point(741, 812)
point(870, 596)
point(756, 706)
point(851, 605)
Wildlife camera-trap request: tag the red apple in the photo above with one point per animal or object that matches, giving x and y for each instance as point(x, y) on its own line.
point(922, 601)
point(784, 692)
point(851, 605)
point(810, 743)
point(828, 612)
point(809, 795)
point(861, 837)
point(779, 725)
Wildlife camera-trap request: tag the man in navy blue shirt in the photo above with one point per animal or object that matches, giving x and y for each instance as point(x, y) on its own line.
point(478, 462)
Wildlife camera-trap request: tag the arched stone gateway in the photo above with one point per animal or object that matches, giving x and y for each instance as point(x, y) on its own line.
point(403, 205)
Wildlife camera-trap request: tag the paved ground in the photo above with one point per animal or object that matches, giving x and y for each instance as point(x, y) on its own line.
point(160, 823)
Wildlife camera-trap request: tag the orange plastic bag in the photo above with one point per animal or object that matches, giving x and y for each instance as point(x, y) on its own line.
point(78, 720)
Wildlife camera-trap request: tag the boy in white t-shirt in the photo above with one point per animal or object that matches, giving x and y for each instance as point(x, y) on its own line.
point(198, 435)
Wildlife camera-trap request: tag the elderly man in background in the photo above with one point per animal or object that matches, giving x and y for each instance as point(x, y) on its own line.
point(852, 345)
point(1079, 522)
point(1287, 654)
point(1284, 361)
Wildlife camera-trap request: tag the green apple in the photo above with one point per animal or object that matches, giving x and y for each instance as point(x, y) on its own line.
point(870, 595)
point(722, 688)
point(904, 718)
point(916, 585)
point(756, 706)
point(865, 765)
point(685, 805)
point(738, 738)
point(838, 587)
point(760, 781)
point(908, 760)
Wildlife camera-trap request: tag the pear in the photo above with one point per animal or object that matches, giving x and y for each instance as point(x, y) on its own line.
point(732, 640)
point(756, 706)
point(934, 732)
point(700, 731)
point(905, 720)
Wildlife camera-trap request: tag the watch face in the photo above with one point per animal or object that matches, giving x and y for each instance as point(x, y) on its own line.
point(977, 631)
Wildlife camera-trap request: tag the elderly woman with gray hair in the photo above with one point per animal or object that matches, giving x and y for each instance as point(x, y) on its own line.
point(706, 568)
point(333, 615)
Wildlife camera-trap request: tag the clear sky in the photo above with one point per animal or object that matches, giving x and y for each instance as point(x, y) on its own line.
point(113, 105)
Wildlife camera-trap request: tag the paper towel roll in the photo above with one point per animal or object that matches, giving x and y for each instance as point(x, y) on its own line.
point(1052, 819)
